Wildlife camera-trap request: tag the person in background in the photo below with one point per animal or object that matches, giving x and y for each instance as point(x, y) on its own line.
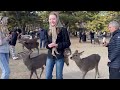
point(92, 33)
point(42, 36)
point(104, 36)
point(12, 42)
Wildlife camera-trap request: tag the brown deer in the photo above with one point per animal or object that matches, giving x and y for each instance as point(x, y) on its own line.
point(86, 64)
point(34, 63)
point(30, 44)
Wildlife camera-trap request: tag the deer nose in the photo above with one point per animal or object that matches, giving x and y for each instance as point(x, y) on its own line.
point(70, 57)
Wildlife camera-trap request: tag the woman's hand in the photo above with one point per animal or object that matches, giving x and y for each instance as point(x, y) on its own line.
point(52, 45)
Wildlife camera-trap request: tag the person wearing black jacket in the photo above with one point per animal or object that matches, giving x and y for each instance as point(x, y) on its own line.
point(92, 33)
point(114, 51)
point(62, 42)
point(12, 43)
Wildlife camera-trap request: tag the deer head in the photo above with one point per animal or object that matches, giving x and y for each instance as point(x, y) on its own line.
point(25, 54)
point(76, 55)
point(67, 52)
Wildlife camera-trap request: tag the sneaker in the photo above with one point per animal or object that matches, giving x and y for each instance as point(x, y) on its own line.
point(14, 58)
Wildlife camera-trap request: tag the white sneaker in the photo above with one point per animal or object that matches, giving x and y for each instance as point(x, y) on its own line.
point(14, 58)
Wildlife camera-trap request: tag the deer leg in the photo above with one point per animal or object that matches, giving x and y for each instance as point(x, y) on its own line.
point(97, 72)
point(36, 74)
point(31, 74)
point(41, 71)
point(23, 47)
point(56, 51)
point(84, 73)
point(38, 50)
point(66, 61)
point(53, 53)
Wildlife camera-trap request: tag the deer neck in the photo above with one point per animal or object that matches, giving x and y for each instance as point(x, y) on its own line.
point(79, 62)
point(26, 59)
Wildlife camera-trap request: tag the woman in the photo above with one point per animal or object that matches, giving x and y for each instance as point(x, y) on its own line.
point(60, 44)
point(4, 53)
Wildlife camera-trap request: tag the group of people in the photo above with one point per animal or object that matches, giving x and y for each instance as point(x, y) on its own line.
point(60, 45)
point(91, 35)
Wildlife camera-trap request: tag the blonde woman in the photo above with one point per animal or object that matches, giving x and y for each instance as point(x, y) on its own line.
point(57, 47)
point(4, 52)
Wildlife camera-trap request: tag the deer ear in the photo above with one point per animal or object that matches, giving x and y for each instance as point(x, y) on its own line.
point(81, 52)
point(31, 51)
point(76, 51)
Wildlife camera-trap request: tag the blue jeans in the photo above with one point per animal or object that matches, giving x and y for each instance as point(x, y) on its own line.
point(59, 68)
point(4, 65)
point(42, 41)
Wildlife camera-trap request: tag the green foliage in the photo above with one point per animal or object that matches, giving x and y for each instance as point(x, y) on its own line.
point(94, 20)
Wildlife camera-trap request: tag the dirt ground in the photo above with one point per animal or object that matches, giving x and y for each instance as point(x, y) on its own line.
point(20, 71)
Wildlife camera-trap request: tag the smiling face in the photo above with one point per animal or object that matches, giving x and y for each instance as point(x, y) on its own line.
point(52, 20)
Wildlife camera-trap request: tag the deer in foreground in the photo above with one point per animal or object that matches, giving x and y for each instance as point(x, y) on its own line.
point(86, 64)
point(34, 63)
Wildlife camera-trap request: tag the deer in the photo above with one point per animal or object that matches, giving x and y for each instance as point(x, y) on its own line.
point(33, 63)
point(86, 64)
point(67, 53)
point(29, 44)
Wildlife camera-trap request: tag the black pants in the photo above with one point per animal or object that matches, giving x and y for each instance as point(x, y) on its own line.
point(80, 38)
point(91, 39)
point(114, 73)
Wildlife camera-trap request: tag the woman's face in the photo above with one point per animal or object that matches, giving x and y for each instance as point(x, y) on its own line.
point(52, 20)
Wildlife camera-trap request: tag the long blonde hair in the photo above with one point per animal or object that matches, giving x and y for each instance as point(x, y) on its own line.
point(3, 24)
point(58, 26)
